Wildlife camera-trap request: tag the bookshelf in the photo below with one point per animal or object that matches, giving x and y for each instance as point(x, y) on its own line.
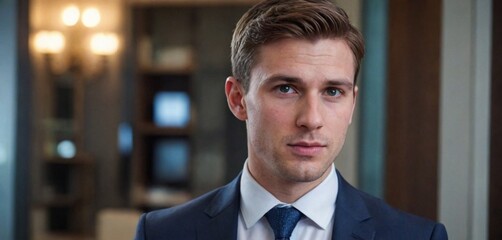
point(63, 172)
point(180, 47)
point(164, 112)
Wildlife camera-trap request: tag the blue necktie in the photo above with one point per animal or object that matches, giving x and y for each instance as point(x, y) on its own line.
point(283, 220)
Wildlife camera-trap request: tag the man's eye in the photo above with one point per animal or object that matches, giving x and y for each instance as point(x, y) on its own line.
point(333, 92)
point(285, 89)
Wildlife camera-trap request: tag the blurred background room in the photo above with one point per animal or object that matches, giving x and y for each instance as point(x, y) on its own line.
point(110, 108)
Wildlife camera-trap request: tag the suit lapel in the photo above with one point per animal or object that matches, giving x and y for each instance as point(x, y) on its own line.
point(351, 214)
point(222, 212)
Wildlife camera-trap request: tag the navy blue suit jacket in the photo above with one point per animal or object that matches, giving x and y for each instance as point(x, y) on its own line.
point(214, 216)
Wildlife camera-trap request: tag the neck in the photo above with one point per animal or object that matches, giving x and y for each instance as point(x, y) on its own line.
point(286, 191)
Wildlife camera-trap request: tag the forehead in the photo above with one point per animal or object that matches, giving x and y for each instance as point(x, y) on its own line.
point(331, 58)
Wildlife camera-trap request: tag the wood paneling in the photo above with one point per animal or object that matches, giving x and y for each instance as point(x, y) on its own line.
point(495, 204)
point(413, 106)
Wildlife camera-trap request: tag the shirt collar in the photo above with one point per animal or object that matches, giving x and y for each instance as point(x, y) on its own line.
point(256, 201)
point(319, 204)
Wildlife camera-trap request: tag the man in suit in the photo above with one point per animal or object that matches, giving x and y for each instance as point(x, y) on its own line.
point(295, 65)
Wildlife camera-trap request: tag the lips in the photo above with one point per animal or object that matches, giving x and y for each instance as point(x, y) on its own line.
point(307, 149)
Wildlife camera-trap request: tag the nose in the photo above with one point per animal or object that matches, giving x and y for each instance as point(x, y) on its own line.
point(309, 115)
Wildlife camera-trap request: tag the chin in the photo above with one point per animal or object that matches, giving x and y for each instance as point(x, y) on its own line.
point(300, 174)
point(304, 178)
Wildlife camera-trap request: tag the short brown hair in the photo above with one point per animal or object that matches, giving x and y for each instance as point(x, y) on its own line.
point(273, 20)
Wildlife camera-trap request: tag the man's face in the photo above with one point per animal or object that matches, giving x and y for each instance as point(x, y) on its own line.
point(298, 108)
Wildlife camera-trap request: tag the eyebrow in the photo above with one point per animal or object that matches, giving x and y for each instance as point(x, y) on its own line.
point(296, 80)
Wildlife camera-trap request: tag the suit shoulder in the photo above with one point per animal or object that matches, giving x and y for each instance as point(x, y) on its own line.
point(180, 222)
point(186, 211)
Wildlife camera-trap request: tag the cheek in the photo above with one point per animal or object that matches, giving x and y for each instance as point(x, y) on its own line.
point(342, 112)
point(277, 117)
point(268, 124)
point(339, 119)
point(269, 114)
point(345, 116)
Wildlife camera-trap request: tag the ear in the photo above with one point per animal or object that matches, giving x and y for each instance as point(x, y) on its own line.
point(355, 92)
point(235, 98)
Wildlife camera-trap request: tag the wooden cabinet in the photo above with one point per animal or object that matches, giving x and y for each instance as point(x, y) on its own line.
point(67, 194)
point(182, 57)
point(62, 171)
point(182, 51)
point(164, 110)
point(162, 139)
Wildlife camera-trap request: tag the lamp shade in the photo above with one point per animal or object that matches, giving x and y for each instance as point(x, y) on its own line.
point(49, 42)
point(104, 43)
point(70, 15)
point(91, 17)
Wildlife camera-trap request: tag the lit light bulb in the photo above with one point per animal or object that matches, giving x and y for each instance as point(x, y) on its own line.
point(91, 17)
point(49, 42)
point(70, 15)
point(104, 43)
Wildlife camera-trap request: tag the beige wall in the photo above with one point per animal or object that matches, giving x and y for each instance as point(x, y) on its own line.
point(347, 162)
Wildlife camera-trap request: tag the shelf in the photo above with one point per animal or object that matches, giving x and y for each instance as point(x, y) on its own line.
point(77, 160)
point(154, 130)
point(61, 200)
point(165, 64)
point(160, 198)
point(61, 236)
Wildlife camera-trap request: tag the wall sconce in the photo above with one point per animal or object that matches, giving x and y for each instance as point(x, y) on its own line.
point(71, 50)
point(98, 43)
point(104, 43)
point(50, 42)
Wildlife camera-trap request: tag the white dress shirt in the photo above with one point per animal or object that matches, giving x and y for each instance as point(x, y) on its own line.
point(318, 206)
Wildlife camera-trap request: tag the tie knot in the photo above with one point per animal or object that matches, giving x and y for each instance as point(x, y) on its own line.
point(283, 220)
